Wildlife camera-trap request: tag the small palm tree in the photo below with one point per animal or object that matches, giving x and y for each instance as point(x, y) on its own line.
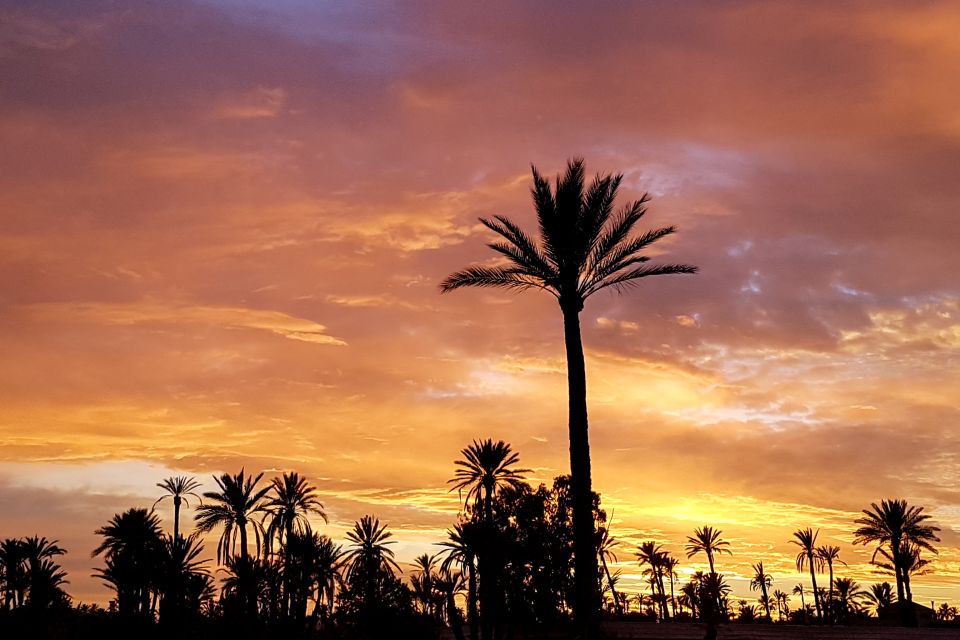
point(462, 549)
point(485, 469)
point(584, 247)
point(707, 540)
point(178, 488)
point(806, 539)
point(762, 581)
point(895, 526)
point(425, 567)
point(607, 554)
point(828, 555)
point(291, 501)
point(233, 507)
point(652, 555)
point(781, 599)
point(849, 598)
point(798, 590)
point(369, 558)
point(879, 597)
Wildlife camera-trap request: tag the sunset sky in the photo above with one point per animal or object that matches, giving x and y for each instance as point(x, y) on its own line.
point(223, 224)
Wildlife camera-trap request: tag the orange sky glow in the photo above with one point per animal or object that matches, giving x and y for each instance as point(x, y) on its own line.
point(223, 224)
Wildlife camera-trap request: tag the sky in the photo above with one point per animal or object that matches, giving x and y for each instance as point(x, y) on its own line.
point(223, 225)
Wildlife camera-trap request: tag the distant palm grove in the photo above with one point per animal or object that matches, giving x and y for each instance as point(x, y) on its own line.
point(504, 570)
point(519, 560)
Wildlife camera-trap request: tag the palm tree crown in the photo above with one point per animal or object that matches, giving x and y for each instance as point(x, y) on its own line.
point(585, 246)
point(292, 501)
point(484, 470)
point(707, 540)
point(178, 488)
point(233, 508)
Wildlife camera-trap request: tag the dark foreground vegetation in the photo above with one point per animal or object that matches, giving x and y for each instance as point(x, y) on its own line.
point(505, 570)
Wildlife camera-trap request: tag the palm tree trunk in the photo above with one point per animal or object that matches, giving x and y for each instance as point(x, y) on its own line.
point(613, 590)
point(673, 601)
point(587, 598)
point(766, 602)
point(243, 539)
point(816, 594)
point(472, 598)
point(902, 603)
point(176, 517)
point(830, 611)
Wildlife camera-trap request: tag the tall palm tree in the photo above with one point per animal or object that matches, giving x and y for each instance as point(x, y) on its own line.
point(233, 508)
point(486, 469)
point(178, 488)
point(896, 526)
point(369, 558)
point(584, 247)
point(461, 549)
point(707, 540)
point(289, 505)
point(798, 590)
point(652, 555)
point(762, 580)
point(806, 539)
point(670, 564)
point(828, 554)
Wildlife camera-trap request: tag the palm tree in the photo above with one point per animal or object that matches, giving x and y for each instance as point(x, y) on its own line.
point(178, 488)
point(13, 569)
point(893, 524)
point(607, 543)
point(707, 540)
point(651, 554)
point(849, 597)
point(879, 597)
point(178, 573)
point(584, 247)
point(132, 548)
point(448, 584)
point(233, 508)
point(828, 555)
point(806, 539)
point(44, 576)
point(781, 599)
point(485, 470)
point(798, 590)
point(670, 565)
point(461, 549)
point(425, 566)
point(369, 557)
point(762, 580)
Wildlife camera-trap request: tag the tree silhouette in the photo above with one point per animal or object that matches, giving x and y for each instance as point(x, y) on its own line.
point(828, 555)
point(233, 508)
point(798, 590)
point(849, 599)
point(485, 469)
point(132, 548)
point(652, 555)
point(584, 247)
point(806, 539)
point(178, 488)
point(605, 548)
point(762, 580)
point(897, 528)
point(461, 549)
point(707, 540)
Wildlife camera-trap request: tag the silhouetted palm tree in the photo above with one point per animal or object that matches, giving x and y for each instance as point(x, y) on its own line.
point(179, 574)
point(828, 555)
point(806, 539)
point(368, 557)
point(425, 567)
point(461, 549)
point(762, 580)
point(607, 543)
point(584, 247)
point(879, 597)
point(891, 525)
point(132, 548)
point(781, 599)
point(707, 540)
point(13, 569)
point(798, 590)
point(485, 470)
point(233, 508)
point(652, 555)
point(178, 488)
point(44, 576)
point(849, 598)
point(448, 584)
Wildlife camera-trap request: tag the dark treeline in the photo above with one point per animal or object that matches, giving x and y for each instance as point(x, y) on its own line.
point(505, 570)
